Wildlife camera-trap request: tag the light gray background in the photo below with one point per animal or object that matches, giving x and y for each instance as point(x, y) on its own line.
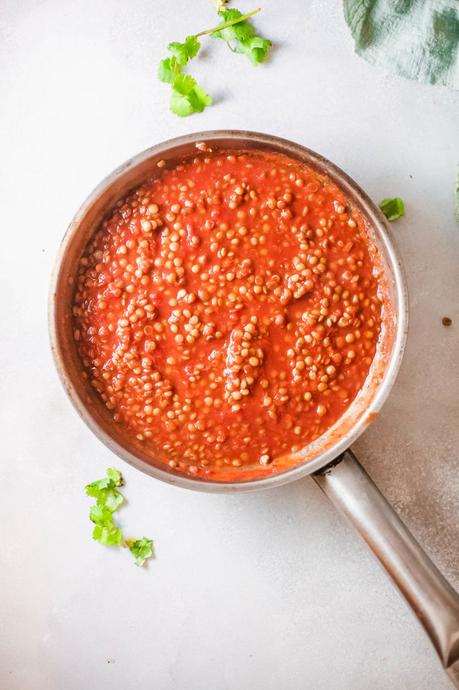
point(267, 591)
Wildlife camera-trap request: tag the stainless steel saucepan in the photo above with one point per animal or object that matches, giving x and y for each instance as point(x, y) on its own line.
point(330, 462)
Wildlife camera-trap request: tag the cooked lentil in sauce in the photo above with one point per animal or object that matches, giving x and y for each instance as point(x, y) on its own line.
point(227, 312)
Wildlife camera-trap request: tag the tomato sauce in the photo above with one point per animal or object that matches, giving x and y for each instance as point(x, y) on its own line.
point(227, 312)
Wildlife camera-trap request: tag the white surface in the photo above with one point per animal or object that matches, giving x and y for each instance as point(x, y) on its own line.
point(266, 591)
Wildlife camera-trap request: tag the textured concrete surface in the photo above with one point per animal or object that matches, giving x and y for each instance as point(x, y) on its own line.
point(266, 591)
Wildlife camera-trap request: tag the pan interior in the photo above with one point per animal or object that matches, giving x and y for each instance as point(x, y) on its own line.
point(385, 363)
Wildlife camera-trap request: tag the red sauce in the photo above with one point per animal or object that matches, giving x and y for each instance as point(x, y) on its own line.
point(227, 312)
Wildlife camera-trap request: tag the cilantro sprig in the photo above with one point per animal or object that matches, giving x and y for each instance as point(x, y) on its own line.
point(106, 531)
point(392, 208)
point(187, 95)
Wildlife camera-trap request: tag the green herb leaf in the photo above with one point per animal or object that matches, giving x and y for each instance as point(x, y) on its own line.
point(165, 70)
point(241, 37)
point(141, 549)
point(105, 491)
point(111, 498)
point(115, 475)
point(108, 536)
point(187, 96)
point(180, 105)
point(256, 49)
point(106, 531)
point(183, 84)
point(237, 32)
point(95, 488)
point(392, 208)
point(184, 51)
point(101, 515)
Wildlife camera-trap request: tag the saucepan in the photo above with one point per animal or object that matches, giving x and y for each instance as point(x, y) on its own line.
point(329, 459)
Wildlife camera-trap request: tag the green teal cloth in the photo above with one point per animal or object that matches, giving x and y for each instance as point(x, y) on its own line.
point(417, 39)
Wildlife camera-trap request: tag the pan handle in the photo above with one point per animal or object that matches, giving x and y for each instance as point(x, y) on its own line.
point(433, 600)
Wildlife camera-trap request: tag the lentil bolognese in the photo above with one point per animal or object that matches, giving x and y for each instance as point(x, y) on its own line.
point(227, 312)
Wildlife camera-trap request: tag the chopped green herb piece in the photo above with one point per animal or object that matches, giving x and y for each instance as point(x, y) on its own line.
point(392, 208)
point(108, 536)
point(111, 498)
point(115, 475)
point(95, 488)
point(106, 531)
point(105, 491)
point(101, 515)
point(141, 549)
point(108, 500)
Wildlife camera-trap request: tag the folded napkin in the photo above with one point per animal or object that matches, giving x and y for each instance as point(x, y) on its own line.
point(417, 39)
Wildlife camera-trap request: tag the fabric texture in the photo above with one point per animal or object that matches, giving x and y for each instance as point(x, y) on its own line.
point(417, 39)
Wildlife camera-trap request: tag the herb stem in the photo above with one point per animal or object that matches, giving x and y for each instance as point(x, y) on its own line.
point(227, 24)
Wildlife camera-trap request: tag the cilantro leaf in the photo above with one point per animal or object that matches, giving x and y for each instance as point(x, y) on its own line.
point(166, 70)
point(115, 475)
point(240, 31)
point(180, 105)
point(141, 549)
point(106, 496)
point(183, 52)
point(111, 498)
point(108, 535)
point(101, 515)
point(105, 491)
point(95, 488)
point(256, 49)
point(183, 83)
point(187, 96)
point(241, 36)
point(392, 208)
point(106, 531)
point(199, 99)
